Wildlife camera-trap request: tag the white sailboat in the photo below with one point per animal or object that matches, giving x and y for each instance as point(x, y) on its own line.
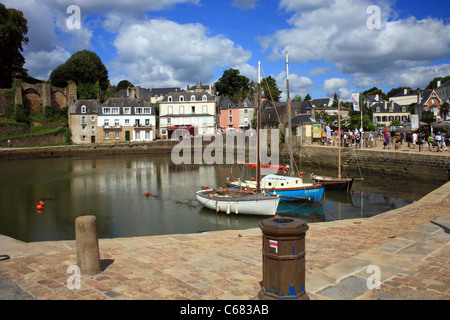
point(251, 202)
point(290, 188)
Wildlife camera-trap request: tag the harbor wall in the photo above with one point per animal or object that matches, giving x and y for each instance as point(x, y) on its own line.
point(424, 166)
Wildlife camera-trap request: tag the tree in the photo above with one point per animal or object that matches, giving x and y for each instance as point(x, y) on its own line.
point(124, 84)
point(427, 116)
point(307, 98)
point(83, 67)
point(433, 83)
point(270, 89)
point(13, 30)
point(394, 91)
point(232, 84)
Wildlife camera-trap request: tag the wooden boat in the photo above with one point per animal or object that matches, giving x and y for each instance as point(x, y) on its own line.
point(239, 201)
point(335, 183)
point(288, 188)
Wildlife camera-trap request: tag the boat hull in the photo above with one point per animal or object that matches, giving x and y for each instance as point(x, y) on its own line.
point(312, 193)
point(248, 204)
point(334, 184)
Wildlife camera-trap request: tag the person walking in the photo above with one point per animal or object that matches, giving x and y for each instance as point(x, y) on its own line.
point(438, 139)
point(414, 139)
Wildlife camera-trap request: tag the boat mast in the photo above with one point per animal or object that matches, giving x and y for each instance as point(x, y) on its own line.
point(258, 164)
point(339, 137)
point(291, 162)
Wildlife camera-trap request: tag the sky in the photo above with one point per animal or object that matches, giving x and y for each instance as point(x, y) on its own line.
point(334, 46)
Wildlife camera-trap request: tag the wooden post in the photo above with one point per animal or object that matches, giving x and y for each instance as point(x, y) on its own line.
point(88, 255)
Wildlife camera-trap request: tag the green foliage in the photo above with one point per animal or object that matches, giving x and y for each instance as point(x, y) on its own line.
point(270, 89)
point(232, 84)
point(83, 67)
point(428, 117)
point(20, 114)
point(13, 30)
point(124, 84)
point(47, 112)
point(433, 83)
point(87, 91)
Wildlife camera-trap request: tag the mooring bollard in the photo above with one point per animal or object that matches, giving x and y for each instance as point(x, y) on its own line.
point(283, 259)
point(88, 255)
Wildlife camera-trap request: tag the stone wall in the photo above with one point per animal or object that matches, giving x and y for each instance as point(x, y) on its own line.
point(407, 165)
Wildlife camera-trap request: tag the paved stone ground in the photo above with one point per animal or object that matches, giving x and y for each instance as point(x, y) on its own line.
point(410, 245)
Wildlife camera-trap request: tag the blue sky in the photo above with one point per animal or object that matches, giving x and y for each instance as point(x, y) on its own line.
point(165, 43)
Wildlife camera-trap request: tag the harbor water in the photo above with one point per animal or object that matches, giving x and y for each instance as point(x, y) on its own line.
point(113, 189)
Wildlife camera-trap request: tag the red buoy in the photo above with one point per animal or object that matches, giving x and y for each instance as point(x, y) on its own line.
point(39, 207)
point(42, 203)
point(253, 179)
point(147, 193)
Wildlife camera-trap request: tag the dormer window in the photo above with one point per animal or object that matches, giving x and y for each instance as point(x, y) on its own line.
point(378, 109)
point(192, 98)
point(181, 98)
point(83, 109)
point(204, 98)
point(170, 99)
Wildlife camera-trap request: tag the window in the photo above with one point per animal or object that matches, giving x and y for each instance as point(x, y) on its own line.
point(138, 110)
point(116, 123)
point(107, 135)
point(106, 110)
point(192, 98)
point(147, 135)
point(147, 122)
point(170, 99)
point(230, 119)
point(193, 109)
point(137, 135)
point(205, 109)
point(147, 110)
point(205, 120)
point(83, 138)
point(246, 111)
point(106, 123)
point(181, 109)
point(127, 110)
point(137, 122)
point(170, 110)
point(378, 109)
point(117, 135)
point(93, 118)
point(204, 98)
point(127, 121)
point(403, 109)
point(92, 128)
point(169, 121)
point(83, 120)
point(182, 98)
point(245, 120)
point(115, 111)
point(83, 109)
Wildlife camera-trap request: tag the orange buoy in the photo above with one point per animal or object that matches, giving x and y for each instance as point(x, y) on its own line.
point(253, 179)
point(147, 193)
point(42, 203)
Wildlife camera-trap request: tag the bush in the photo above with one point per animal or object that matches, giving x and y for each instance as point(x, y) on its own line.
point(20, 114)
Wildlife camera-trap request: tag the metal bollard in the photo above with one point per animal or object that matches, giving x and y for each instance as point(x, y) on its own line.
point(88, 255)
point(283, 259)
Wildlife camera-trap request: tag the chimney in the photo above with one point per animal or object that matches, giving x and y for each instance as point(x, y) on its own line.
point(377, 97)
point(405, 91)
point(385, 104)
point(438, 83)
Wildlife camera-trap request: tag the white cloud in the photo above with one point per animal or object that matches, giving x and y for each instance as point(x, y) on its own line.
point(41, 63)
point(298, 85)
point(338, 86)
point(336, 32)
point(165, 53)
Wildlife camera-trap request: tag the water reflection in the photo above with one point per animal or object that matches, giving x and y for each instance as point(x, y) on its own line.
point(113, 188)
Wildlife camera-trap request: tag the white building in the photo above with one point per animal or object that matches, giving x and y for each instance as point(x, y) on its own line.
point(126, 120)
point(191, 111)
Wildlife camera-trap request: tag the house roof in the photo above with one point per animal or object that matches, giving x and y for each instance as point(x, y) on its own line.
point(125, 103)
point(397, 108)
point(303, 118)
point(187, 96)
point(92, 106)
